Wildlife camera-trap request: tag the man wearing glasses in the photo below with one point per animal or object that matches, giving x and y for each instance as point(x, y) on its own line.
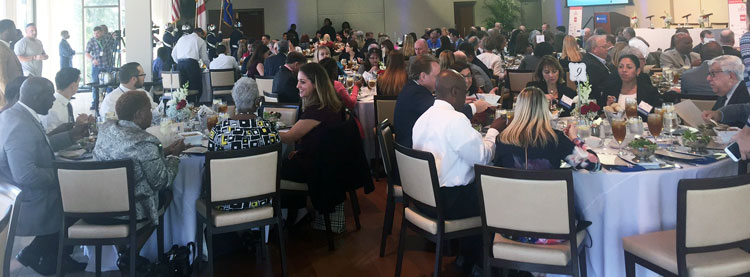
point(131, 78)
point(725, 74)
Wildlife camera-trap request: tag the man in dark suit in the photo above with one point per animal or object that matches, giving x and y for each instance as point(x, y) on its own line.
point(694, 80)
point(705, 34)
point(26, 158)
point(597, 67)
point(726, 39)
point(725, 77)
point(416, 97)
point(285, 81)
point(273, 64)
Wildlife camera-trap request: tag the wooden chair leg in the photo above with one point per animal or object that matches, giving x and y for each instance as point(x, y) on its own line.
point(282, 248)
point(60, 245)
point(210, 246)
point(582, 262)
point(438, 254)
point(199, 246)
point(401, 245)
point(355, 208)
point(386, 226)
point(99, 260)
point(629, 265)
point(329, 232)
point(486, 246)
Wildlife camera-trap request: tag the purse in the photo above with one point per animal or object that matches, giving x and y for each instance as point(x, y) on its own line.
point(178, 260)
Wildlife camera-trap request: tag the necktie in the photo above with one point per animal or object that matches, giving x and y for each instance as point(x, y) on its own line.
point(720, 103)
point(70, 114)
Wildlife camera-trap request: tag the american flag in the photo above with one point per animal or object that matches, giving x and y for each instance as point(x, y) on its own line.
point(175, 11)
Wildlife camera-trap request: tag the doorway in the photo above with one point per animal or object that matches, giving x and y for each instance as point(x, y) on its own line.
point(252, 22)
point(463, 16)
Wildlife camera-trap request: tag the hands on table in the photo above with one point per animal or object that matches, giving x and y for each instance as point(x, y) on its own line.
point(175, 148)
point(712, 115)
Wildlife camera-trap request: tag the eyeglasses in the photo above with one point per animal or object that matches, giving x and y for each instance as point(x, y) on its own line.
point(713, 73)
point(142, 75)
point(466, 76)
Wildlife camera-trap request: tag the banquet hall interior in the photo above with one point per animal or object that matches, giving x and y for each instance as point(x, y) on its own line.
point(374, 138)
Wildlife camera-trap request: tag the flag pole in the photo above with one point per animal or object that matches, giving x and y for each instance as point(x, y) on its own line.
point(195, 18)
point(221, 15)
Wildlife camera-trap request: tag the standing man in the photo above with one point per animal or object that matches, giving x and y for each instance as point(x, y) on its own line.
point(235, 37)
point(26, 162)
point(190, 49)
point(10, 67)
point(31, 52)
point(101, 60)
point(212, 41)
point(66, 52)
point(328, 29)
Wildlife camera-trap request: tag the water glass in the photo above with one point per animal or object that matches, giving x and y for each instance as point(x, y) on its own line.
point(584, 129)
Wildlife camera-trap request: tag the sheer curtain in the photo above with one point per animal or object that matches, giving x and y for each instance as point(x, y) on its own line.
point(160, 12)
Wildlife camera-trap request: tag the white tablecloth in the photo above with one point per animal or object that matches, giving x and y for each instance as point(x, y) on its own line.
point(179, 219)
point(624, 204)
point(365, 111)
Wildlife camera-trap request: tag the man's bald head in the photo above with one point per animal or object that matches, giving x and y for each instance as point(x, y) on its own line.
point(711, 50)
point(460, 56)
point(726, 38)
point(38, 94)
point(450, 87)
point(420, 47)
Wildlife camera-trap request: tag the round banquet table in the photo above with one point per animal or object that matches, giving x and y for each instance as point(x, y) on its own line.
point(624, 204)
point(365, 111)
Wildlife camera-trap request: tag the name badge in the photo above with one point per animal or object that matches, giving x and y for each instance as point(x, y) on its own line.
point(566, 102)
point(644, 108)
point(101, 54)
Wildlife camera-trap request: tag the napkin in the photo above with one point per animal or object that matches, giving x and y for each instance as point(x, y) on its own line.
point(489, 98)
point(624, 168)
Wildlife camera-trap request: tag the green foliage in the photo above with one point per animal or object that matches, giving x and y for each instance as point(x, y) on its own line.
point(506, 12)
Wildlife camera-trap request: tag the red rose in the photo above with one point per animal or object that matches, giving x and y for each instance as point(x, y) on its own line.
point(594, 107)
point(181, 104)
point(585, 109)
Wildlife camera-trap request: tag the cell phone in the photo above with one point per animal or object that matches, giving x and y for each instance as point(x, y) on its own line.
point(733, 150)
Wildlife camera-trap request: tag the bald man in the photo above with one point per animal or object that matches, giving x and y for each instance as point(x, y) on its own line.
point(681, 55)
point(447, 134)
point(26, 162)
point(726, 39)
point(420, 48)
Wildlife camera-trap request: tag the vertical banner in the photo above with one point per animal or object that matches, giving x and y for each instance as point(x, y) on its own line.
point(737, 19)
point(574, 21)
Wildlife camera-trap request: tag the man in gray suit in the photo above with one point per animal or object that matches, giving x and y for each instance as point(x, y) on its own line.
point(694, 80)
point(26, 157)
point(681, 55)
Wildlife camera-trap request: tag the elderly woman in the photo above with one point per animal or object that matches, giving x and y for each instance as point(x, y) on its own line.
point(243, 130)
point(127, 138)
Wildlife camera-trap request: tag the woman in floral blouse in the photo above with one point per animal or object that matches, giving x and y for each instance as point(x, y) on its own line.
point(154, 167)
point(243, 130)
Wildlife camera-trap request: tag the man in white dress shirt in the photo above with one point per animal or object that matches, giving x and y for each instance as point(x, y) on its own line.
point(30, 52)
point(131, 78)
point(223, 61)
point(188, 50)
point(635, 42)
point(61, 113)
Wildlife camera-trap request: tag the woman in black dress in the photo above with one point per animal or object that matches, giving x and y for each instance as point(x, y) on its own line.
point(549, 78)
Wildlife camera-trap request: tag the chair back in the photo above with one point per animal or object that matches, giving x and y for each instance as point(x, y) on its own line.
point(265, 84)
point(418, 175)
point(526, 202)
point(170, 80)
point(237, 175)
point(569, 82)
point(222, 81)
point(385, 105)
point(289, 111)
point(519, 79)
point(4, 236)
point(269, 97)
point(8, 195)
point(84, 190)
point(713, 211)
point(387, 152)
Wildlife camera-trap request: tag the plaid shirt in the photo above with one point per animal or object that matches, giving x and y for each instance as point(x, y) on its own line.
point(100, 51)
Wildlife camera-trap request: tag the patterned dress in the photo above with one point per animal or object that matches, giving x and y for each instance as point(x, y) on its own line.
point(152, 171)
point(234, 134)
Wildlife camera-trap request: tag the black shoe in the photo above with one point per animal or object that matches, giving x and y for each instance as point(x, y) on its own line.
point(27, 259)
point(40, 264)
point(71, 265)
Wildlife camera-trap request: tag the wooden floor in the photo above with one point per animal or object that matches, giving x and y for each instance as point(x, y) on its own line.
point(356, 254)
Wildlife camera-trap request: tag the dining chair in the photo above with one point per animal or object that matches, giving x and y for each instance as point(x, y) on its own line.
point(395, 192)
point(240, 176)
point(711, 237)
point(8, 196)
point(419, 180)
point(170, 80)
point(385, 105)
point(222, 82)
point(265, 83)
point(518, 79)
point(525, 203)
point(289, 111)
point(85, 197)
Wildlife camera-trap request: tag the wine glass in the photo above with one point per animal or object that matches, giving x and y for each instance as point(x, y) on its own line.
point(619, 130)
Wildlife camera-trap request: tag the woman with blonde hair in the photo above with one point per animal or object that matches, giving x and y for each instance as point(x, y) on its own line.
point(392, 81)
point(529, 142)
point(446, 59)
point(408, 48)
point(571, 53)
point(321, 53)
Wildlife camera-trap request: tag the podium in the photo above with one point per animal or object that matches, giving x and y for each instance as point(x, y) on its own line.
point(610, 21)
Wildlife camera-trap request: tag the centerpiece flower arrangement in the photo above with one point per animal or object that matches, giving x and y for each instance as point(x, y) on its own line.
point(634, 21)
point(583, 90)
point(178, 109)
point(590, 111)
point(667, 20)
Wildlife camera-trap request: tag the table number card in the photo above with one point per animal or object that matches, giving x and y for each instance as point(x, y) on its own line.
point(578, 72)
point(644, 108)
point(566, 101)
point(539, 39)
